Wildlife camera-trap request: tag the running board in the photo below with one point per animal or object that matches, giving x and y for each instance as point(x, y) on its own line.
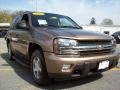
point(20, 62)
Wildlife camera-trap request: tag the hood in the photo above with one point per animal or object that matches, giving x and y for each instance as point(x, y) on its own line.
point(75, 34)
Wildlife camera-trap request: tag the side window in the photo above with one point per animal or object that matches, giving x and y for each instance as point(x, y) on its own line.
point(65, 22)
point(24, 21)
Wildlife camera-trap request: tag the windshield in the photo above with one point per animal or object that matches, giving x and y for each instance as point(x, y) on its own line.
point(52, 20)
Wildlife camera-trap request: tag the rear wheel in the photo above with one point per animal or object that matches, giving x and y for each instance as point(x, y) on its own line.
point(38, 68)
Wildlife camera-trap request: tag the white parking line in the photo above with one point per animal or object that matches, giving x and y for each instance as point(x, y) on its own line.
point(11, 69)
point(116, 69)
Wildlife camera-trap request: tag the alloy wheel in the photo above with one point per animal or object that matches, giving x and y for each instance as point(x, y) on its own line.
point(36, 67)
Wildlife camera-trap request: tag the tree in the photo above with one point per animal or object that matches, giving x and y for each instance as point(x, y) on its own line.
point(93, 21)
point(5, 17)
point(14, 14)
point(107, 22)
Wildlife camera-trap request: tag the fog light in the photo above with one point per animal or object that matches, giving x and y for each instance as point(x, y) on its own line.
point(66, 68)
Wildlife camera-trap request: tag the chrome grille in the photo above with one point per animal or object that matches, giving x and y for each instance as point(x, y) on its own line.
point(91, 47)
point(96, 47)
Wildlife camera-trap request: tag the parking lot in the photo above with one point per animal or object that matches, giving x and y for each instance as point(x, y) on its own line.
point(13, 76)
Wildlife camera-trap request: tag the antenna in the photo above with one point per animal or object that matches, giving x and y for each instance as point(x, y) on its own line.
point(36, 5)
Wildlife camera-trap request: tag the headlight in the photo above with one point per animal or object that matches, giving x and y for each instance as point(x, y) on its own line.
point(67, 43)
point(65, 46)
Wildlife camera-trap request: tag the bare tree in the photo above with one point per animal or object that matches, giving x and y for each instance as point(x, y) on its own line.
point(5, 16)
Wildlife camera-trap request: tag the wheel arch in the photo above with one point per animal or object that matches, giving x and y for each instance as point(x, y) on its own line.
point(32, 47)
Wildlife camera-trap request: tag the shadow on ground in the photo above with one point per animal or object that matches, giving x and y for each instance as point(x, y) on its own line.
point(25, 74)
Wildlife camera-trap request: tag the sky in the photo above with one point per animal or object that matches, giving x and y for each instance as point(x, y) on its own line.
point(79, 10)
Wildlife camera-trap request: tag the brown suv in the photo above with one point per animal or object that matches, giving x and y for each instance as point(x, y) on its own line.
point(54, 46)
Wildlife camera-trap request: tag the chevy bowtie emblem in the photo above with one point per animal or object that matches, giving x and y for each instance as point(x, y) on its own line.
point(99, 47)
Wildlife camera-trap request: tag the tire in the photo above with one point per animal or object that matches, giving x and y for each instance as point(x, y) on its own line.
point(38, 68)
point(10, 54)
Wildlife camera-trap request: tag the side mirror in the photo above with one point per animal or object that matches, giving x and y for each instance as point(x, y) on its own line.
point(22, 25)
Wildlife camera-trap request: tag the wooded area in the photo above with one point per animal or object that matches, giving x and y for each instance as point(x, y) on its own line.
point(7, 16)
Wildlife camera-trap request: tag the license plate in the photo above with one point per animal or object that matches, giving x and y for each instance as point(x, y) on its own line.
point(103, 65)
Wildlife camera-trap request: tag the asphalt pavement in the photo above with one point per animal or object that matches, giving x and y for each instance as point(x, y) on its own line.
point(13, 76)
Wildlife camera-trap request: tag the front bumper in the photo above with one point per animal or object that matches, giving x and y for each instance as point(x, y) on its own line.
point(80, 66)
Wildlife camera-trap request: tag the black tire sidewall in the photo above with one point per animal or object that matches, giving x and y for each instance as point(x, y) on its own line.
point(9, 50)
point(44, 77)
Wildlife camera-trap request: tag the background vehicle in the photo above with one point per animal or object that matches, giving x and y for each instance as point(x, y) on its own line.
point(54, 46)
point(116, 35)
point(4, 27)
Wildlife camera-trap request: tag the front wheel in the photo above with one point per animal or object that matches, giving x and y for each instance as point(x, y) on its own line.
point(38, 68)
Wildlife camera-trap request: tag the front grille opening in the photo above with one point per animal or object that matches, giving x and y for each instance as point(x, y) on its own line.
point(80, 72)
point(95, 52)
point(99, 42)
point(77, 71)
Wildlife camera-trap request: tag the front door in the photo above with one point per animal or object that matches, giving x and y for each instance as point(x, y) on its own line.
point(23, 38)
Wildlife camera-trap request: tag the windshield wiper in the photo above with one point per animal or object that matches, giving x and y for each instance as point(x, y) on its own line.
point(48, 26)
point(69, 27)
point(59, 26)
point(53, 26)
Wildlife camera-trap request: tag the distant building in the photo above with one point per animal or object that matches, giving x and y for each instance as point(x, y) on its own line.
point(102, 29)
